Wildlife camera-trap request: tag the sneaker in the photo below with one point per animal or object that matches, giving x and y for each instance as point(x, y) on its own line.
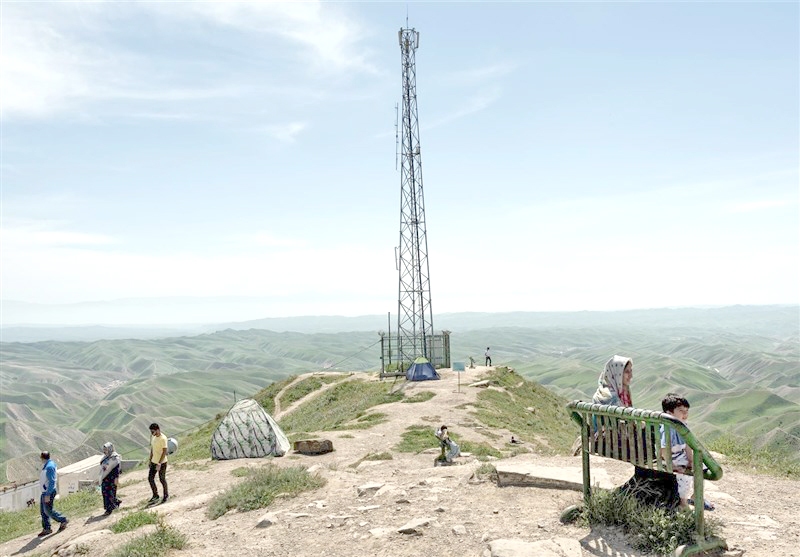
point(153, 499)
point(63, 525)
point(44, 533)
point(165, 499)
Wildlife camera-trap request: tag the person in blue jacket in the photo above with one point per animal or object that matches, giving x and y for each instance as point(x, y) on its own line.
point(48, 480)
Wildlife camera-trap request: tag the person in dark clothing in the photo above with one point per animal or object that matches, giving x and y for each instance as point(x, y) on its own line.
point(109, 478)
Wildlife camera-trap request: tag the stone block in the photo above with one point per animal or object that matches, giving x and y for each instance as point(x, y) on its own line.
point(313, 446)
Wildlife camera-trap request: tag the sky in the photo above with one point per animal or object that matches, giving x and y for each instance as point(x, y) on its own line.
point(575, 156)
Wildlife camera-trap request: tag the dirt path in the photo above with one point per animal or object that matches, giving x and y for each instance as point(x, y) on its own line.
point(759, 514)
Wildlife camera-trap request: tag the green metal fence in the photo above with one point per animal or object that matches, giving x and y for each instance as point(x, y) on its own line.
point(633, 435)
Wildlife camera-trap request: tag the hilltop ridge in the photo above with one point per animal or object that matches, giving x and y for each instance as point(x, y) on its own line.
point(454, 510)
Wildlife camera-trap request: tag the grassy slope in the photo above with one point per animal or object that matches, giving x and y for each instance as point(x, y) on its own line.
point(739, 381)
point(73, 396)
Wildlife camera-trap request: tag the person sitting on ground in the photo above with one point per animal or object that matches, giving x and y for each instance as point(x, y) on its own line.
point(447, 444)
point(109, 477)
point(676, 449)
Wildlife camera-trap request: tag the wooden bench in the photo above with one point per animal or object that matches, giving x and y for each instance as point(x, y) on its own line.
point(633, 435)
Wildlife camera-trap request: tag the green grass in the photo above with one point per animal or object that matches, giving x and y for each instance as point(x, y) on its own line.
point(261, 487)
point(767, 460)
point(421, 396)
point(379, 456)
point(266, 396)
point(197, 444)
point(373, 456)
point(549, 427)
point(485, 470)
point(480, 450)
point(14, 524)
point(417, 438)
point(305, 387)
point(343, 403)
point(134, 520)
point(153, 545)
point(654, 530)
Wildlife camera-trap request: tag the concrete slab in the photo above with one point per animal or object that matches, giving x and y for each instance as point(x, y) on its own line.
point(532, 475)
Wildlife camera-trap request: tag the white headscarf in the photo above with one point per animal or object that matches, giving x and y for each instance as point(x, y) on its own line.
point(609, 385)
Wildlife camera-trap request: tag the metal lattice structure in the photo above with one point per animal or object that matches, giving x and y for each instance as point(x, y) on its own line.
point(414, 313)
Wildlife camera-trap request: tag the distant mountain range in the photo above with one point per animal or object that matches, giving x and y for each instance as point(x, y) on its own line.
point(739, 366)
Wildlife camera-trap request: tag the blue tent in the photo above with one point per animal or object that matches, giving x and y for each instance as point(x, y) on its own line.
point(421, 370)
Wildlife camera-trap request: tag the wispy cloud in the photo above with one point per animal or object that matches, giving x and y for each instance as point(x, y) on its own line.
point(473, 104)
point(330, 36)
point(480, 74)
point(287, 133)
point(59, 57)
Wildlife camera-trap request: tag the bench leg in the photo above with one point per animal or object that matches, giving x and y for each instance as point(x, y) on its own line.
point(700, 547)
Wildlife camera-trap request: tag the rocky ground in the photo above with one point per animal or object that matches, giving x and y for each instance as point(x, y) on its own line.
point(442, 510)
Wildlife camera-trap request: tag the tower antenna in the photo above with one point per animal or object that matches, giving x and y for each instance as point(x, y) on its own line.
point(396, 135)
point(414, 313)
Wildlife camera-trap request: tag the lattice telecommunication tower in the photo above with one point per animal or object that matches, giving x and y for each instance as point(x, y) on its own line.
point(414, 313)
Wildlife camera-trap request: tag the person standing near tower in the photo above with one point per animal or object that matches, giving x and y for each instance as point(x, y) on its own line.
point(488, 357)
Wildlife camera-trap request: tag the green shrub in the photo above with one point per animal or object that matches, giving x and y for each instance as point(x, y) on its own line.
point(421, 396)
point(153, 545)
point(261, 487)
point(650, 529)
point(373, 456)
point(379, 456)
point(485, 470)
point(134, 520)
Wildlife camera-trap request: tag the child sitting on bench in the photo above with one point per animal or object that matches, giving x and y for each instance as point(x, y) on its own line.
point(681, 453)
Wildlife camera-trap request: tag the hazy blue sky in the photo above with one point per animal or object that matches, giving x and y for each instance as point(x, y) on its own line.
point(575, 155)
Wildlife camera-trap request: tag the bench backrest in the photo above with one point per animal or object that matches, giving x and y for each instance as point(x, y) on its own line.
point(633, 435)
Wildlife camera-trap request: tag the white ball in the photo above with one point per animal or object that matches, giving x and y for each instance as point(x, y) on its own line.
point(172, 445)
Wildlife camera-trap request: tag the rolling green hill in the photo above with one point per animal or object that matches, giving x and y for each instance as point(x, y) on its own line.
point(740, 368)
point(71, 397)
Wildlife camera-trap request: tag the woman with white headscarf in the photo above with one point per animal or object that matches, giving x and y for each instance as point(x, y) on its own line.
point(109, 477)
point(614, 384)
